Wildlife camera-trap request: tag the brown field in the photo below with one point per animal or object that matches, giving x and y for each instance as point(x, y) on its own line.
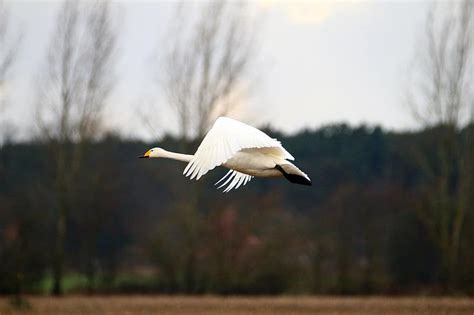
point(164, 305)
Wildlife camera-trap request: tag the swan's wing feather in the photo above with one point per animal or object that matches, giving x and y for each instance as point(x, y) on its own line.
point(232, 174)
point(226, 137)
point(234, 181)
point(220, 180)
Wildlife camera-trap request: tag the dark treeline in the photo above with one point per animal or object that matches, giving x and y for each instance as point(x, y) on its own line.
point(367, 225)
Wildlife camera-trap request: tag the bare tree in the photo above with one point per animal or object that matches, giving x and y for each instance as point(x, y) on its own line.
point(9, 44)
point(72, 97)
point(205, 67)
point(442, 98)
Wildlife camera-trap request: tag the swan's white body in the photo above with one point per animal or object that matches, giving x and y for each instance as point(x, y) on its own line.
point(243, 149)
point(255, 162)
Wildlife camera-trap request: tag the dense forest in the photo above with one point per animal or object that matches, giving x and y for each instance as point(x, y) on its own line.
point(388, 212)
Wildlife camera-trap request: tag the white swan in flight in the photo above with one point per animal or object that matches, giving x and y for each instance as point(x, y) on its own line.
point(243, 149)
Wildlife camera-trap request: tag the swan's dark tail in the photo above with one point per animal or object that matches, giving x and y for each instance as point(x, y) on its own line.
point(293, 174)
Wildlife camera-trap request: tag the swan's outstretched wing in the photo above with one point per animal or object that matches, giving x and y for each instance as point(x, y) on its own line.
point(226, 137)
point(234, 180)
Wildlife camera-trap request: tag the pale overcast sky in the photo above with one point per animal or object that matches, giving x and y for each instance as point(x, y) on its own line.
point(320, 62)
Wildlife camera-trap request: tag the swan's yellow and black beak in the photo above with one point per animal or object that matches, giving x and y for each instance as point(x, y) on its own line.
point(146, 155)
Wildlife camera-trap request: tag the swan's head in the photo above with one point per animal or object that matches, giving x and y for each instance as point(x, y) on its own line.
point(153, 153)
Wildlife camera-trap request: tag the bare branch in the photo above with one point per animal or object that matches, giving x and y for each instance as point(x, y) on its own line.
point(206, 64)
point(9, 45)
point(79, 77)
point(441, 93)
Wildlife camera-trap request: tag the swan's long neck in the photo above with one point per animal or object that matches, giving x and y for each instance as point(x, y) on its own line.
point(177, 156)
